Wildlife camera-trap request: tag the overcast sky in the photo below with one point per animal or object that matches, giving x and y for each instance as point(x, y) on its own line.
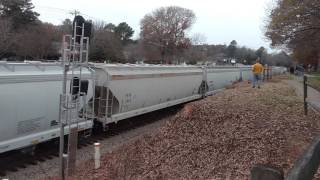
point(221, 21)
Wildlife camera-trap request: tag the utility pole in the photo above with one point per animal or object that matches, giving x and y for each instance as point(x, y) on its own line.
point(75, 12)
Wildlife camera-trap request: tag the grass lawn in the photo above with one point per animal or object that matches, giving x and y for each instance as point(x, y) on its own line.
point(315, 81)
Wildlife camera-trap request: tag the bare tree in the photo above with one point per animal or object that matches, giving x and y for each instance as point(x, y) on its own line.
point(66, 26)
point(294, 25)
point(152, 53)
point(6, 35)
point(165, 30)
point(198, 39)
point(101, 25)
point(106, 46)
point(134, 52)
point(37, 42)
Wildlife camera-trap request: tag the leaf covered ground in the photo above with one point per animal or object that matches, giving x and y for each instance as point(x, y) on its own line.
point(220, 137)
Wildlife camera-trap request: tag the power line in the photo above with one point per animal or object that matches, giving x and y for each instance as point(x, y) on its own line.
point(70, 12)
point(75, 13)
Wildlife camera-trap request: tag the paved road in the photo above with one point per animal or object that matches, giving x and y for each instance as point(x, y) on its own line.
point(313, 95)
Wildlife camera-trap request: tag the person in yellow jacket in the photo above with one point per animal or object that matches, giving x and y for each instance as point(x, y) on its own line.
point(257, 70)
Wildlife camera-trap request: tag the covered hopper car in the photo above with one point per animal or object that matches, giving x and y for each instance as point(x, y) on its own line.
point(29, 103)
point(29, 94)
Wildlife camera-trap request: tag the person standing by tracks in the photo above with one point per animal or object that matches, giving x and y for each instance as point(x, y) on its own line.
point(257, 70)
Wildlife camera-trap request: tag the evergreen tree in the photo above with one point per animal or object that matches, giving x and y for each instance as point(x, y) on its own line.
point(232, 48)
point(19, 11)
point(260, 51)
point(110, 27)
point(124, 32)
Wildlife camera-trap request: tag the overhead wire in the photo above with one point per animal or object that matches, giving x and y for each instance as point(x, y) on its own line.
point(66, 12)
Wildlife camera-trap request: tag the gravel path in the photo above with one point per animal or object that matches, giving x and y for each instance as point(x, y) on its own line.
point(43, 170)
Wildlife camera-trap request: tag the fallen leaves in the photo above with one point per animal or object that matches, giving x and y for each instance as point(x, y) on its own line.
point(220, 137)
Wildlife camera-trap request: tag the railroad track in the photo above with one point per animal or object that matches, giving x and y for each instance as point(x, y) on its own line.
point(14, 160)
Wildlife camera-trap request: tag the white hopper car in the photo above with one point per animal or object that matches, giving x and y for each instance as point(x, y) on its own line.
point(29, 93)
point(124, 91)
point(29, 103)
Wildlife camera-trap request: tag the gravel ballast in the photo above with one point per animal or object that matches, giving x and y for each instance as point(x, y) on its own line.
point(50, 167)
point(220, 137)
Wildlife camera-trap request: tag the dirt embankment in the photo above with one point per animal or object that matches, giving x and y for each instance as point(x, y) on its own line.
point(220, 137)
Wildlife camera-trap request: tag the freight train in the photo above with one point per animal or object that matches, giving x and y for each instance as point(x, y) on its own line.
point(30, 91)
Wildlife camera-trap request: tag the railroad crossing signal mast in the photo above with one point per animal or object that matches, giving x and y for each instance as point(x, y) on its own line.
point(73, 102)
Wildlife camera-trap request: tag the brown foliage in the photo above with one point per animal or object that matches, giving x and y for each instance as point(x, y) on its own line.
point(294, 24)
point(106, 46)
point(164, 30)
point(38, 41)
point(6, 35)
point(220, 137)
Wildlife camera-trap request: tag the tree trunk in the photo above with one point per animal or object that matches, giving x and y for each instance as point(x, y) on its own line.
point(318, 65)
point(317, 62)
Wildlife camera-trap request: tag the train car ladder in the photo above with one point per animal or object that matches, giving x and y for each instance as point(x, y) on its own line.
point(105, 104)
